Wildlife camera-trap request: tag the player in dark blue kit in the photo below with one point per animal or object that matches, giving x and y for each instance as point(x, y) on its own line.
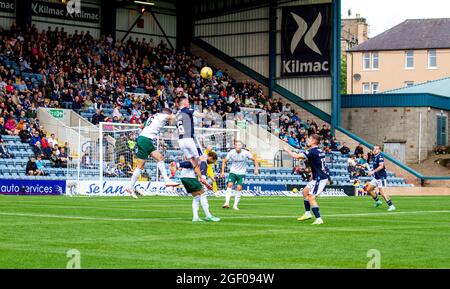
point(187, 141)
point(379, 179)
point(319, 179)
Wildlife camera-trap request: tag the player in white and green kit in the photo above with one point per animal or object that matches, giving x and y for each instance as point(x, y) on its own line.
point(238, 170)
point(146, 147)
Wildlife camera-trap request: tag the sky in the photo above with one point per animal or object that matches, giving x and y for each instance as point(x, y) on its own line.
point(384, 14)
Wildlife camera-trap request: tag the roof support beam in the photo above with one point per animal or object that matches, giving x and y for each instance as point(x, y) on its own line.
point(272, 46)
point(336, 68)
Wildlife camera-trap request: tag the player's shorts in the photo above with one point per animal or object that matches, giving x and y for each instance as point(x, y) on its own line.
point(236, 179)
point(192, 185)
point(316, 187)
point(145, 147)
point(379, 183)
point(189, 147)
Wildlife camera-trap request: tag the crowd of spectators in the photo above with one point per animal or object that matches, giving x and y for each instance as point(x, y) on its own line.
point(294, 131)
point(76, 71)
point(84, 74)
point(358, 162)
point(302, 170)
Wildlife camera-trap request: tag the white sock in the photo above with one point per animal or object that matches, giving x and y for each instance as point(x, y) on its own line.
point(162, 170)
point(236, 199)
point(135, 177)
point(227, 196)
point(205, 205)
point(195, 206)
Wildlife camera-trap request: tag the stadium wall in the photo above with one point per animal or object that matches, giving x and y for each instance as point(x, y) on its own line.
point(45, 21)
point(419, 191)
point(244, 36)
point(396, 125)
point(352, 142)
point(54, 187)
point(164, 12)
point(125, 17)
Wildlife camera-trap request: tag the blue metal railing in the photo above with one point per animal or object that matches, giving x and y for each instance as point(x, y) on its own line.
point(392, 159)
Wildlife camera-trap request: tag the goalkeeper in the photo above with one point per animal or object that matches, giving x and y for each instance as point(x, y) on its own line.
point(210, 171)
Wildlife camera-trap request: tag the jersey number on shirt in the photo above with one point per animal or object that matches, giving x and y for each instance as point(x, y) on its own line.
point(150, 120)
point(323, 165)
point(180, 127)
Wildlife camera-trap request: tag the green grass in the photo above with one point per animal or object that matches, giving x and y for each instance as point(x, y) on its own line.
point(157, 232)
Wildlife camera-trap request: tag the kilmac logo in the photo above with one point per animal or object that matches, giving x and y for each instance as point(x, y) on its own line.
point(310, 34)
point(306, 40)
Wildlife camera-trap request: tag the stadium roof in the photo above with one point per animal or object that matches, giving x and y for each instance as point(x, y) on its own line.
point(411, 34)
point(437, 87)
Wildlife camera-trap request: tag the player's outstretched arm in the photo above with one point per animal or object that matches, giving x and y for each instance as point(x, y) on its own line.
point(292, 154)
point(171, 119)
point(224, 164)
point(200, 114)
point(256, 172)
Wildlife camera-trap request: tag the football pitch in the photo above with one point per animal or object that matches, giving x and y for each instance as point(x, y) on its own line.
point(157, 232)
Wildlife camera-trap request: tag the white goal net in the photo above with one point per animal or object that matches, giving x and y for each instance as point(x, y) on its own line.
point(106, 162)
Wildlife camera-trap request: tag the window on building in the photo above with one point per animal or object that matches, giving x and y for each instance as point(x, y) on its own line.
point(375, 87)
point(409, 83)
point(432, 61)
point(366, 61)
point(409, 63)
point(366, 88)
point(375, 62)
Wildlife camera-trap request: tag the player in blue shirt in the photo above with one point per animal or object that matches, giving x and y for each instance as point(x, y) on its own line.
point(319, 179)
point(187, 141)
point(379, 179)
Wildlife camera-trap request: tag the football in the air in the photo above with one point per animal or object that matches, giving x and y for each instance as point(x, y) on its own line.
point(206, 72)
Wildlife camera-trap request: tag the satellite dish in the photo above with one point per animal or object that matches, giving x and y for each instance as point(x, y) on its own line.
point(357, 76)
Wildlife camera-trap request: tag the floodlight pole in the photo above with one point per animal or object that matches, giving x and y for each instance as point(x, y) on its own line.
point(336, 67)
point(79, 151)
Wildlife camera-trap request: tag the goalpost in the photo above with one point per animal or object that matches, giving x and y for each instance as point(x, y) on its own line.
point(111, 155)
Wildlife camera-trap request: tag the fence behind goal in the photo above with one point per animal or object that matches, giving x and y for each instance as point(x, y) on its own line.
point(109, 155)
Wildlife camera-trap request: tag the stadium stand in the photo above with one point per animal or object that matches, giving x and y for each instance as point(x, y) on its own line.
point(104, 80)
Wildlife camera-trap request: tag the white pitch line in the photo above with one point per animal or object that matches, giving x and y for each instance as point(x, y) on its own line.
point(390, 213)
point(228, 217)
point(88, 218)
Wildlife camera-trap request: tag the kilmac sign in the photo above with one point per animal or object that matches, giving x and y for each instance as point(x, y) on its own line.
point(306, 35)
point(7, 6)
point(56, 10)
